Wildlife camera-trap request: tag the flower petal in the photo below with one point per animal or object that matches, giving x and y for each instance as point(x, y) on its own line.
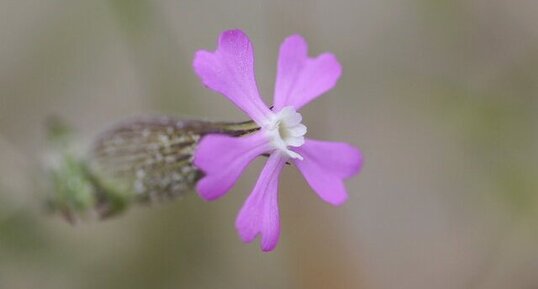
point(301, 79)
point(230, 71)
point(223, 158)
point(326, 165)
point(259, 214)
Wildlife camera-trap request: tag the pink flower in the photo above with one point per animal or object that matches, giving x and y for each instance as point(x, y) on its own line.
point(300, 79)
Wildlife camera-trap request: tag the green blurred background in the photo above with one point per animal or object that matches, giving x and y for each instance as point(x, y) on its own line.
point(440, 95)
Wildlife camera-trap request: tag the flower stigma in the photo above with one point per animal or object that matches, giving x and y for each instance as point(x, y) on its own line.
point(285, 129)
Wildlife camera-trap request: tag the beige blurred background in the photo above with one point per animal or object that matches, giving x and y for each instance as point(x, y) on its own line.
point(440, 95)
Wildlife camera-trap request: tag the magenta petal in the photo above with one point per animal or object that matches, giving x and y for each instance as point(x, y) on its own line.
point(326, 165)
point(259, 214)
point(301, 79)
point(223, 158)
point(230, 71)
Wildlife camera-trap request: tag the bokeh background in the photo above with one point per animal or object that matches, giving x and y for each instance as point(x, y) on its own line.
point(440, 95)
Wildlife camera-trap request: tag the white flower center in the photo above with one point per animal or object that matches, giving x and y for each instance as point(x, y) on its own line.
point(285, 129)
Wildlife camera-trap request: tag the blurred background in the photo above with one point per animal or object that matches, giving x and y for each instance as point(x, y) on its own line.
point(440, 95)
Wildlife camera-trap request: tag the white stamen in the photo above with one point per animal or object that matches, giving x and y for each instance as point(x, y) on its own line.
point(285, 129)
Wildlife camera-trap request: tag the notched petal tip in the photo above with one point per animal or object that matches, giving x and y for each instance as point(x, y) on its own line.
point(268, 245)
point(208, 192)
point(332, 71)
point(203, 65)
point(339, 199)
point(295, 40)
point(229, 70)
point(259, 215)
point(300, 78)
point(326, 166)
point(232, 34)
point(235, 42)
point(355, 158)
